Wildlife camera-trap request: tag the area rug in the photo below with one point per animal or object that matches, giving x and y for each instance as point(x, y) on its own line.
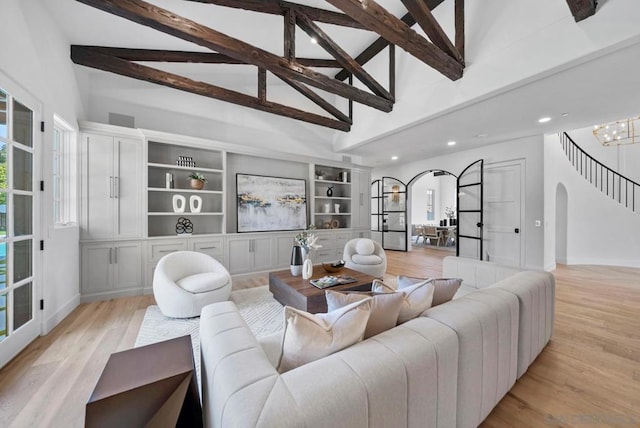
point(257, 306)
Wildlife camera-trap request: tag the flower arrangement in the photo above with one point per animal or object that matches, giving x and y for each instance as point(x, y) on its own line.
point(450, 211)
point(307, 239)
point(197, 176)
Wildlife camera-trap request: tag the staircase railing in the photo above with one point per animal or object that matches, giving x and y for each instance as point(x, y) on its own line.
point(616, 186)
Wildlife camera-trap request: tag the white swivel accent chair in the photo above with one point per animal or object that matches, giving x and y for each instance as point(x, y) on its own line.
point(366, 256)
point(186, 281)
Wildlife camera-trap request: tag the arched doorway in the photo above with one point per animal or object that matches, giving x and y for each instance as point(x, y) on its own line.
point(562, 223)
point(431, 198)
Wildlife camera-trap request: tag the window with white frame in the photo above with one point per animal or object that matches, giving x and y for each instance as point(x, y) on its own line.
point(64, 173)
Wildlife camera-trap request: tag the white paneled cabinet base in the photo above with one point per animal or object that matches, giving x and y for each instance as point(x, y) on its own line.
point(131, 177)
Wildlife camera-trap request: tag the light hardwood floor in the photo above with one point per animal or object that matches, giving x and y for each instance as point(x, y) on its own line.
point(588, 375)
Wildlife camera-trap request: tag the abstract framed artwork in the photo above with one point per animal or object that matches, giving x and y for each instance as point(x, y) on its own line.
point(270, 203)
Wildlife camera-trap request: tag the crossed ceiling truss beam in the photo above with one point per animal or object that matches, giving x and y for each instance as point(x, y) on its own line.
point(582, 9)
point(438, 51)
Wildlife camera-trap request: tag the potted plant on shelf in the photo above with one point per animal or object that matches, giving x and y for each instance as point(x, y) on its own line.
point(197, 180)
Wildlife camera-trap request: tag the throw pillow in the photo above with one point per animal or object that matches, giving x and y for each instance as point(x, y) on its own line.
point(385, 308)
point(445, 288)
point(309, 337)
point(417, 298)
point(365, 247)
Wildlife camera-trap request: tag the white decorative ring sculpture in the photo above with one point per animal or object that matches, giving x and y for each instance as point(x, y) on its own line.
point(179, 203)
point(195, 204)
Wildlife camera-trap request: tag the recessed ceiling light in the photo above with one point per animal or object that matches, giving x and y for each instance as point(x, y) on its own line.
point(314, 41)
point(451, 143)
point(544, 119)
point(483, 135)
point(394, 157)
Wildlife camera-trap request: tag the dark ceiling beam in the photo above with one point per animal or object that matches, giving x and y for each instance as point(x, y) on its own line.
point(459, 26)
point(163, 20)
point(290, 35)
point(86, 56)
point(341, 56)
point(432, 28)
point(276, 7)
point(378, 19)
point(582, 9)
point(157, 55)
point(317, 99)
point(380, 43)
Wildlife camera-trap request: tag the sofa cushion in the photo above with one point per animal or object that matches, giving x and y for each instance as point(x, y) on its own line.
point(417, 298)
point(203, 282)
point(371, 259)
point(385, 308)
point(445, 288)
point(365, 247)
point(309, 337)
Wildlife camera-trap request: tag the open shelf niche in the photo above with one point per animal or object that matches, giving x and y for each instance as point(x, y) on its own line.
point(331, 209)
point(168, 169)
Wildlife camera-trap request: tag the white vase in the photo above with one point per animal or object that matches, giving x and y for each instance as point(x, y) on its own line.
point(195, 203)
point(307, 268)
point(179, 203)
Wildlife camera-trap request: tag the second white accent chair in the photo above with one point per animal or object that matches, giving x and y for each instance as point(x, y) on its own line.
point(186, 281)
point(366, 256)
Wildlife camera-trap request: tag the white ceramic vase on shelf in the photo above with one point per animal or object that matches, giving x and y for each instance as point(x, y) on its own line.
point(195, 203)
point(179, 203)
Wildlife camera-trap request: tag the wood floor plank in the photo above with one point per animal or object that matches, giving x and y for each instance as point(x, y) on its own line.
point(588, 375)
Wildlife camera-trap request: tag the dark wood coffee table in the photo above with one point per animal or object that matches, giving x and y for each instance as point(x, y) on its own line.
point(299, 293)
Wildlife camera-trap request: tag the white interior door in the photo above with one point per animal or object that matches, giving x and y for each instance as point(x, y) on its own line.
point(503, 212)
point(19, 292)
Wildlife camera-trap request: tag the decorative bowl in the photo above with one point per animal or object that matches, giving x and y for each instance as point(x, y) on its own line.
point(333, 267)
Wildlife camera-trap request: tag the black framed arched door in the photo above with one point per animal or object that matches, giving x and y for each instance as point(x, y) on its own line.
point(470, 211)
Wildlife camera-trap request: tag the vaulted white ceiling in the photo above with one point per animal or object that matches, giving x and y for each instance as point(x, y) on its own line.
point(525, 60)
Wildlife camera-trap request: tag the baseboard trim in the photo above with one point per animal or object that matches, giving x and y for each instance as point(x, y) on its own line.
point(603, 262)
point(61, 314)
point(88, 298)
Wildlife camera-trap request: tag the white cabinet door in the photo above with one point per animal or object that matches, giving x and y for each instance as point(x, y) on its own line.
point(262, 254)
point(112, 188)
point(97, 272)
point(361, 199)
point(127, 265)
point(283, 249)
point(239, 257)
point(98, 212)
point(128, 188)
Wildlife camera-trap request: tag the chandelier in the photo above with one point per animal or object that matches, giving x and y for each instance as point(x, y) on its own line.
point(618, 132)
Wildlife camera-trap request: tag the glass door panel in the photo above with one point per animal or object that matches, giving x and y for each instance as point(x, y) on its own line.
point(394, 210)
point(22, 124)
point(18, 206)
point(470, 215)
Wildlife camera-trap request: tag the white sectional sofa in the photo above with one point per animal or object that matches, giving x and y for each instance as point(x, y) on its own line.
point(446, 368)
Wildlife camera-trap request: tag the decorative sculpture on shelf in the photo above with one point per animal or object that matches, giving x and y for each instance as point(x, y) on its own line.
point(330, 191)
point(179, 203)
point(184, 226)
point(195, 203)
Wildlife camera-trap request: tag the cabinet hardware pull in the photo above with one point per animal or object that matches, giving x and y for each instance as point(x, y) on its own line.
point(166, 251)
point(111, 186)
point(208, 248)
point(110, 256)
point(361, 198)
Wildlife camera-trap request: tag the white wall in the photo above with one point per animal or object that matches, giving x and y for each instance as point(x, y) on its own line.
point(530, 149)
point(599, 230)
point(36, 56)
